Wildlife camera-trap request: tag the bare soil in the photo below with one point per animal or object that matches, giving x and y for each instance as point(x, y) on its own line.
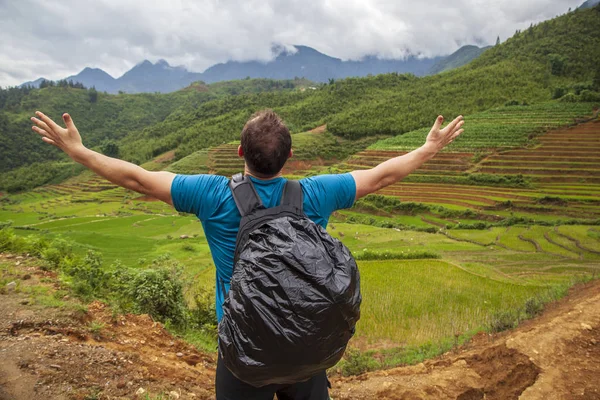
point(52, 353)
point(319, 129)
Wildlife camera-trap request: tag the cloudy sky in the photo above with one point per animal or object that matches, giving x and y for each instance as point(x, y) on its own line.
point(58, 38)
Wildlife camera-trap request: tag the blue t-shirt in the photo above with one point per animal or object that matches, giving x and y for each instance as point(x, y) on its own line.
point(210, 199)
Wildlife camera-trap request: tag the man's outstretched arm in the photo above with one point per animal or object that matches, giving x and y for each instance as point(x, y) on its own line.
point(122, 173)
point(395, 169)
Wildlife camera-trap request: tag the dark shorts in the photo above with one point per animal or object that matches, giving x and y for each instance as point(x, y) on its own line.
point(231, 388)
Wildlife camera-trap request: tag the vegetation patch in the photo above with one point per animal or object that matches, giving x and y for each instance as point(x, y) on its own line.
point(161, 290)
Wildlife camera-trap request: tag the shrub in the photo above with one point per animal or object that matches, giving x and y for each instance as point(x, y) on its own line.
point(188, 247)
point(7, 239)
point(159, 291)
point(503, 321)
point(35, 245)
point(533, 307)
point(56, 252)
point(356, 362)
point(475, 226)
point(203, 312)
point(391, 204)
point(89, 278)
point(589, 96)
point(389, 255)
point(552, 200)
point(559, 92)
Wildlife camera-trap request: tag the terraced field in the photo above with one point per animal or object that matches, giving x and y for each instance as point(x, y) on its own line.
point(443, 164)
point(563, 156)
point(313, 151)
point(224, 160)
point(88, 187)
point(558, 171)
point(500, 128)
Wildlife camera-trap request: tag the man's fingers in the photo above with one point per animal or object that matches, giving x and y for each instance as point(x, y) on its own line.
point(455, 135)
point(459, 126)
point(47, 140)
point(53, 125)
point(41, 124)
point(452, 125)
point(39, 131)
point(438, 122)
point(68, 121)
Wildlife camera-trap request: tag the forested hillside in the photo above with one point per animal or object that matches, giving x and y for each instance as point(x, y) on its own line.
point(102, 119)
point(557, 58)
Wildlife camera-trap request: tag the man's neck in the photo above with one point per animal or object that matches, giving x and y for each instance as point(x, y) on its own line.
point(247, 172)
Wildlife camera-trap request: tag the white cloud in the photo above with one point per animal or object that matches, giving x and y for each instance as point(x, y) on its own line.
point(55, 39)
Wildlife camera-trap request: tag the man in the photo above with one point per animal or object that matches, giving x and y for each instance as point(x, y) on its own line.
point(265, 146)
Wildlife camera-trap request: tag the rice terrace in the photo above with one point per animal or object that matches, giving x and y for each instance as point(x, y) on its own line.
point(476, 242)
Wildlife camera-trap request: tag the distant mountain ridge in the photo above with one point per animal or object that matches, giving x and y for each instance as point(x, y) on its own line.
point(589, 4)
point(305, 62)
point(461, 57)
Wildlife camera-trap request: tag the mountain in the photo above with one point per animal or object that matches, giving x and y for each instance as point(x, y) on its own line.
point(95, 77)
point(374, 66)
point(159, 77)
point(589, 4)
point(461, 57)
point(35, 83)
point(302, 61)
point(315, 66)
point(143, 78)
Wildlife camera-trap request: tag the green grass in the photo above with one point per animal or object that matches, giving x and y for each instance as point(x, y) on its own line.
point(411, 302)
point(484, 237)
point(537, 233)
point(510, 238)
point(195, 163)
point(584, 234)
point(359, 237)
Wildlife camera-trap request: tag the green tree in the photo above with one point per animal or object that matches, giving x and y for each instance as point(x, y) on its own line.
point(93, 94)
point(110, 148)
point(557, 64)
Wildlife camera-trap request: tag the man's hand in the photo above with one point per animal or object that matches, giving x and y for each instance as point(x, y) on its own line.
point(68, 140)
point(438, 138)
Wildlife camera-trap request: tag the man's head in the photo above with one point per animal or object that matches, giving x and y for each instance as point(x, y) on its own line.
point(266, 143)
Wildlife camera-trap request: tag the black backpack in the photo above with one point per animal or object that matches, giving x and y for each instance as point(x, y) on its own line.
point(294, 298)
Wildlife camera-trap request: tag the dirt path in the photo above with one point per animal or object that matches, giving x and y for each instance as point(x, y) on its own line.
point(49, 353)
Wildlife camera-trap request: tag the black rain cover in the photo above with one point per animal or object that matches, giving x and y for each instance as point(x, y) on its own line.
point(293, 303)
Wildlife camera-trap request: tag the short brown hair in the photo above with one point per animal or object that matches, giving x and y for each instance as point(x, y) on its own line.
point(266, 143)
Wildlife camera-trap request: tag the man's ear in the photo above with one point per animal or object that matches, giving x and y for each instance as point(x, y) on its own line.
point(291, 153)
point(240, 151)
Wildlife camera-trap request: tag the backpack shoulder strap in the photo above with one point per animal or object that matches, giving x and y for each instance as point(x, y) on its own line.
point(244, 193)
point(292, 195)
